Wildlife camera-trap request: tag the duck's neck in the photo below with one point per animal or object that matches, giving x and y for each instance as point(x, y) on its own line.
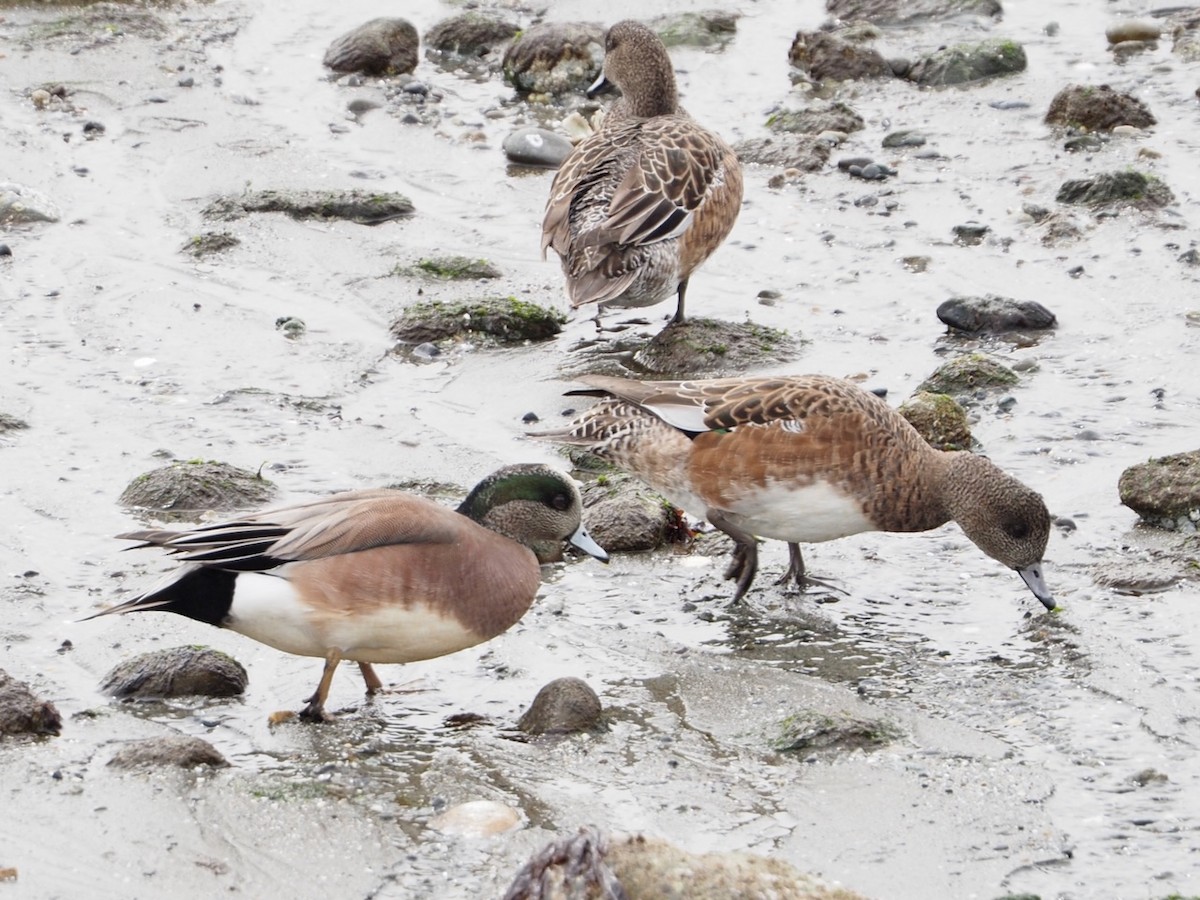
point(913, 499)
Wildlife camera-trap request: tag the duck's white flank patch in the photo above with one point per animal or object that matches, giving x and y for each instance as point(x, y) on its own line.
point(809, 514)
point(267, 609)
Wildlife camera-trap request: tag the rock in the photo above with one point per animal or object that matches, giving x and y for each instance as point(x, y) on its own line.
point(908, 12)
point(591, 865)
point(184, 490)
point(176, 672)
point(1188, 258)
point(967, 376)
point(1097, 109)
point(1135, 577)
point(183, 751)
point(939, 420)
point(623, 515)
point(1165, 491)
point(711, 347)
point(803, 152)
point(965, 64)
point(20, 205)
point(904, 139)
point(532, 146)
point(474, 34)
point(1123, 188)
point(709, 28)
point(22, 712)
point(506, 320)
point(209, 242)
point(292, 327)
point(810, 732)
point(383, 46)
point(564, 706)
point(477, 819)
point(823, 56)
point(363, 207)
point(1133, 30)
point(969, 234)
point(555, 58)
point(11, 423)
point(1184, 27)
point(451, 268)
point(821, 116)
point(992, 313)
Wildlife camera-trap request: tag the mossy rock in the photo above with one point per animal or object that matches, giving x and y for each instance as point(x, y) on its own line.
point(504, 320)
point(451, 268)
point(623, 515)
point(696, 29)
point(939, 420)
point(967, 375)
point(1097, 108)
point(11, 423)
point(821, 116)
point(363, 207)
point(968, 63)
point(209, 242)
point(472, 34)
point(555, 57)
point(713, 347)
point(1165, 491)
point(808, 732)
point(1127, 188)
point(184, 490)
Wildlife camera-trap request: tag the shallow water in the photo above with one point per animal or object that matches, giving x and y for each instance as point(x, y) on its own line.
point(1022, 730)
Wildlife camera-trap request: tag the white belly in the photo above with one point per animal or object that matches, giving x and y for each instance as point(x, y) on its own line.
point(266, 609)
point(809, 514)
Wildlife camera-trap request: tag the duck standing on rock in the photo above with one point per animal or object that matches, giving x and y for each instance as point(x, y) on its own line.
point(375, 576)
point(642, 202)
point(804, 458)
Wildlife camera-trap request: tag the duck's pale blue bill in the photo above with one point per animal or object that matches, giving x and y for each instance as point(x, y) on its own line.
point(1033, 578)
point(584, 542)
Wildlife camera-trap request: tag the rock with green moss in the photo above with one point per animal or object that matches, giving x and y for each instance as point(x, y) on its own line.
point(967, 63)
point(623, 515)
point(810, 732)
point(555, 58)
point(1165, 491)
point(819, 117)
point(451, 268)
point(713, 347)
point(11, 423)
point(1097, 108)
point(363, 207)
point(805, 152)
point(696, 29)
point(472, 35)
point(209, 242)
point(1110, 189)
point(503, 320)
point(939, 419)
point(593, 864)
point(177, 672)
point(186, 490)
point(965, 376)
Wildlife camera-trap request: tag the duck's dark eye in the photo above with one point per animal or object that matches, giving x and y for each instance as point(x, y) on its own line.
point(1017, 530)
point(560, 502)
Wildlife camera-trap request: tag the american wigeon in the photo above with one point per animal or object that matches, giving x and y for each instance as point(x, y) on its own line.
point(375, 576)
point(804, 458)
point(641, 203)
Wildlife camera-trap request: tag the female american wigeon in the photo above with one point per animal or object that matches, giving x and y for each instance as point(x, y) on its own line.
point(641, 203)
point(376, 576)
point(804, 458)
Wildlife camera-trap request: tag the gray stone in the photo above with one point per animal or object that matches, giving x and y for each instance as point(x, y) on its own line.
point(23, 712)
point(805, 152)
point(473, 34)
point(532, 146)
point(383, 46)
point(623, 515)
point(19, 205)
point(176, 672)
point(1121, 188)
point(992, 314)
point(965, 64)
point(708, 28)
point(823, 57)
point(564, 706)
point(820, 116)
point(182, 751)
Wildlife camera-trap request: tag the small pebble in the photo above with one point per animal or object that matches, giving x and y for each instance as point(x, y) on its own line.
point(187, 81)
point(529, 418)
point(93, 127)
point(5, 250)
point(40, 98)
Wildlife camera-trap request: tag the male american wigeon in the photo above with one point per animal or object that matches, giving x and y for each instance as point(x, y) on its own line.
point(375, 576)
point(804, 458)
point(641, 203)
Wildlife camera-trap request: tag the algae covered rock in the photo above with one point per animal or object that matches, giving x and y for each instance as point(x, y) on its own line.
point(708, 28)
point(1093, 108)
point(362, 207)
point(555, 58)
point(1125, 188)
point(939, 420)
point(623, 515)
point(712, 347)
point(473, 34)
point(452, 268)
point(967, 375)
point(504, 320)
point(184, 490)
point(965, 64)
point(810, 732)
point(1165, 491)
